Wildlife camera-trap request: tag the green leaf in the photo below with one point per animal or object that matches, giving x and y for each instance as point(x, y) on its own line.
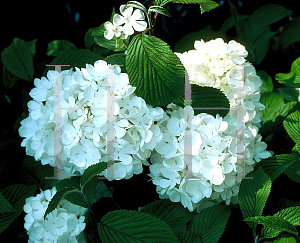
point(73, 181)
point(291, 79)
point(290, 33)
point(292, 126)
point(275, 111)
point(89, 39)
point(186, 43)
point(293, 171)
point(39, 172)
point(154, 70)
point(158, 9)
point(57, 46)
point(117, 59)
point(136, 5)
point(15, 195)
point(90, 172)
point(188, 237)
point(162, 2)
point(274, 222)
point(174, 214)
point(277, 164)
point(131, 226)
point(32, 47)
point(59, 195)
point(208, 6)
point(75, 58)
point(268, 14)
point(291, 214)
point(210, 223)
point(9, 79)
point(285, 238)
point(289, 93)
point(113, 44)
point(253, 194)
point(267, 83)
point(17, 58)
point(208, 98)
point(5, 206)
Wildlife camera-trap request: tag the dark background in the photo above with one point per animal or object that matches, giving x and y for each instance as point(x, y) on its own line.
point(69, 20)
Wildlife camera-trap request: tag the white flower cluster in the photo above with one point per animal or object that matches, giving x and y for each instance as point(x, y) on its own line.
point(130, 20)
point(63, 224)
point(210, 172)
point(84, 127)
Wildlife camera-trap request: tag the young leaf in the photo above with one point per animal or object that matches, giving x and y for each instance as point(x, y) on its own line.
point(277, 164)
point(172, 213)
point(208, 6)
point(292, 126)
point(210, 223)
point(73, 181)
point(158, 9)
point(17, 58)
point(292, 78)
point(131, 226)
point(274, 222)
point(154, 70)
point(291, 214)
point(59, 195)
point(253, 194)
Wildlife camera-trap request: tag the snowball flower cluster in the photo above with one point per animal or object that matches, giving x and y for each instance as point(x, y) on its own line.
point(63, 224)
point(209, 172)
point(84, 126)
point(132, 21)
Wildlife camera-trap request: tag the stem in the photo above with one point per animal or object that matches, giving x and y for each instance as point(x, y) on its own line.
point(153, 22)
point(90, 206)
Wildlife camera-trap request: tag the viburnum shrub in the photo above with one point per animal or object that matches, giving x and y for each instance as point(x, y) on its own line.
point(196, 118)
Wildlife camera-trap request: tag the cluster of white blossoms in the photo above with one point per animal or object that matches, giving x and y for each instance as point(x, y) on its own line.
point(132, 21)
point(63, 224)
point(210, 171)
point(84, 98)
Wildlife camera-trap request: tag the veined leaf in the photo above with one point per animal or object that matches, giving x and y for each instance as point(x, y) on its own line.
point(208, 99)
point(277, 164)
point(136, 5)
point(5, 206)
point(154, 70)
point(292, 126)
point(253, 194)
point(291, 214)
point(91, 172)
point(158, 9)
point(16, 196)
point(172, 213)
point(274, 222)
point(188, 237)
point(293, 171)
point(117, 59)
point(131, 226)
point(210, 223)
point(17, 58)
point(59, 195)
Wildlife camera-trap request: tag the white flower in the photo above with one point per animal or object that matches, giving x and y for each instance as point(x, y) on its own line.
point(130, 20)
point(112, 29)
point(64, 224)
